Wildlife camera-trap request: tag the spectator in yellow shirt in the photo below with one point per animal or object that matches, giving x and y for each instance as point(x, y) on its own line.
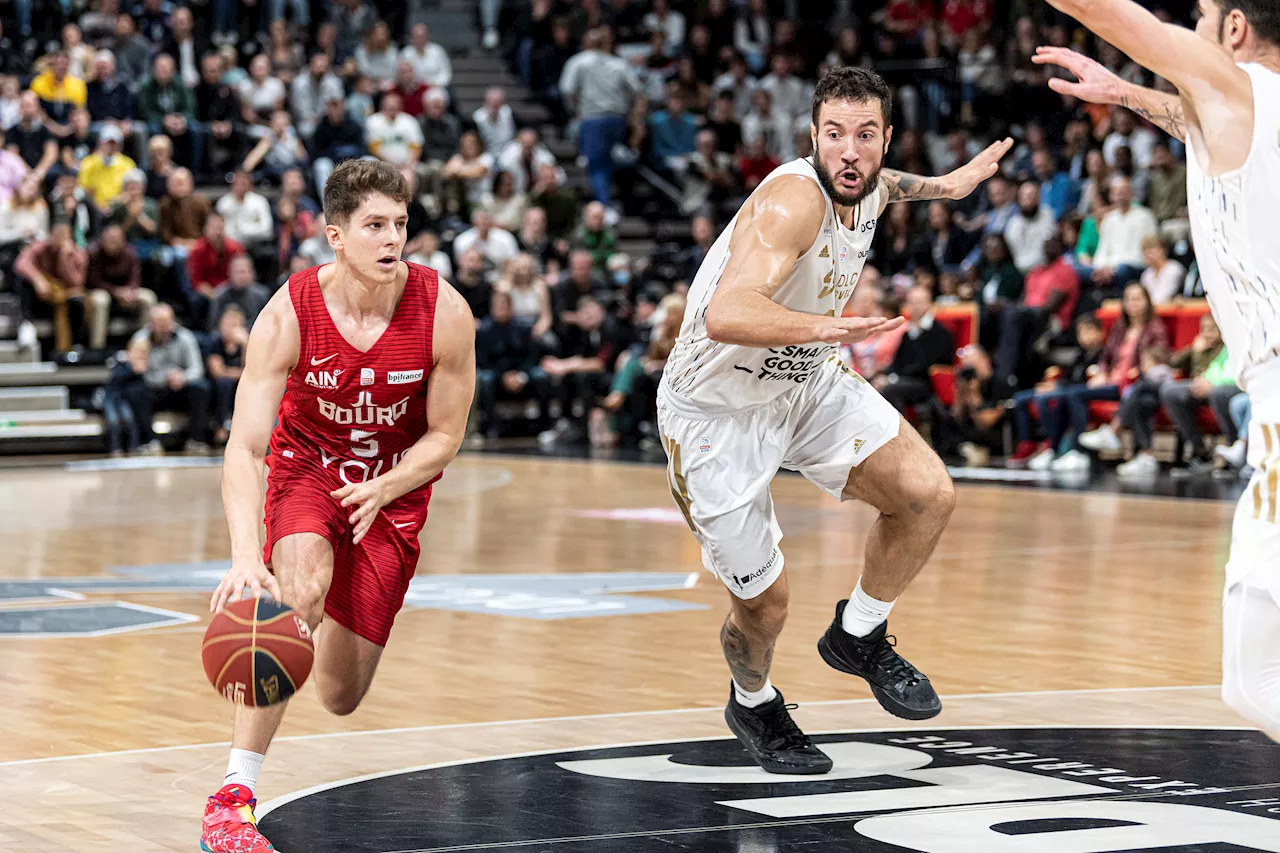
point(58, 90)
point(102, 172)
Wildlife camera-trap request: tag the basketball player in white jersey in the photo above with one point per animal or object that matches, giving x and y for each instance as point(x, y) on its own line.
point(754, 383)
point(1228, 111)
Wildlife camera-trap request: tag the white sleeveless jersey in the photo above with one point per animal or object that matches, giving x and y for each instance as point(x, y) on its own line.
point(715, 377)
point(1235, 222)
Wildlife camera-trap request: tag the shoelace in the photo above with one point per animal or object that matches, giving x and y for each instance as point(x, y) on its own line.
point(885, 657)
point(784, 731)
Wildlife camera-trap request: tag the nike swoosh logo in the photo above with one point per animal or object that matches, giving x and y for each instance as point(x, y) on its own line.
point(403, 524)
point(315, 361)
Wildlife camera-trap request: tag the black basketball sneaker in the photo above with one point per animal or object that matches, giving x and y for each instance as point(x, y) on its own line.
point(773, 738)
point(901, 689)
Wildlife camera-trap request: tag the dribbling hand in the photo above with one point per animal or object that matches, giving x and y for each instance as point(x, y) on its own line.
point(853, 330)
point(249, 573)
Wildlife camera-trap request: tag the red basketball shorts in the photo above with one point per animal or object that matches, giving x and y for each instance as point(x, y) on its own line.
point(369, 579)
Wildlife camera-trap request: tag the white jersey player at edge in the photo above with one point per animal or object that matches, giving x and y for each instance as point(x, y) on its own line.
point(754, 383)
point(1227, 72)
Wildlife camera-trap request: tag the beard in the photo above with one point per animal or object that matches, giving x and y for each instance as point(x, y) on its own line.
point(869, 183)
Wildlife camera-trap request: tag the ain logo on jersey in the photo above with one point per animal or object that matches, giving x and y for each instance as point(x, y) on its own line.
point(1032, 790)
point(322, 378)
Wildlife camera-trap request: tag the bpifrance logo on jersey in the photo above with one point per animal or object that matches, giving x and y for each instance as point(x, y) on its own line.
point(403, 377)
point(366, 376)
point(322, 378)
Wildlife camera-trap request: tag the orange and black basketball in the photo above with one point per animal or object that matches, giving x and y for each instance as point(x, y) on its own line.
point(257, 652)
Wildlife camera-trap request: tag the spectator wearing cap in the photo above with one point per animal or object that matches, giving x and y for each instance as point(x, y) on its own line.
point(494, 121)
point(113, 280)
point(58, 90)
point(218, 109)
point(603, 88)
point(431, 65)
point(102, 172)
point(35, 143)
point(337, 138)
point(310, 93)
point(167, 106)
point(109, 101)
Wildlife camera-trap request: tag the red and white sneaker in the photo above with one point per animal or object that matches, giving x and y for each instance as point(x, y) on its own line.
point(229, 825)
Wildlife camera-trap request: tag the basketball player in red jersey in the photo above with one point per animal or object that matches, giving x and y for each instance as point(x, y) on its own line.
point(369, 365)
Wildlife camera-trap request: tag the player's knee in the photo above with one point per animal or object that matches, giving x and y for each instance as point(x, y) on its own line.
point(929, 495)
point(766, 612)
point(340, 700)
point(1251, 696)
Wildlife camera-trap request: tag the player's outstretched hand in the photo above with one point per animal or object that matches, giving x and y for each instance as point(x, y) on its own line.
point(852, 330)
point(968, 177)
point(1093, 83)
point(368, 499)
point(249, 573)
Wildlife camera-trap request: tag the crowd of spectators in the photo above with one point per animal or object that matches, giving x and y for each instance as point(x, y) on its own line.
point(114, 115)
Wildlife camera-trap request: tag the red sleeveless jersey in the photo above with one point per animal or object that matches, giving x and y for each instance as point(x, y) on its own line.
point(349, 413)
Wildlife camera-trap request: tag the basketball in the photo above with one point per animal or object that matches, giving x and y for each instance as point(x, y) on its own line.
point(257, 652)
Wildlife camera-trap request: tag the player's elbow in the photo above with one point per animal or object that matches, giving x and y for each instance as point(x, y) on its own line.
point(719, 325)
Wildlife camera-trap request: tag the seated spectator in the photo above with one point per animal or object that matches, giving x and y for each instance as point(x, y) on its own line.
point(757, 163)
point(1137, 331)
point(113, 281)
point(1167, 193)
point(578, 280)
point(1126, 132)
point(241, 290)
point(425, 250)
point(174, 381)
point(579, 370)
point(736, 86)
point(377, 55)
point(218, 109)
point(496, 245)
point(123, 434)
point(137, 215)
point(925, 343)
point(81, 55)
point(998, 206)
point(55, 271)
point(262, 95)
point(1048, 304)
point(131, 49)
point(411, 92)
point(109, 101)
point(1207, 382)
point(494, 121)
point(278, 151)
point(505, 204)
point(246, 213)
point(31, 138)
point(1000, 285)
point(430, 61)
point(1029, 228)
point(633, 392)
point(790, 95)
point(946, 244)
point(10, 102)
point(311, 93)
point(530, 298)
point(160, 166)
point(874, 355)
point(77, 143)
point(102, 172)
point(767, 124)
point(558, 202)
point(441, 133)
point(468, 175)
point(336, 138)
point(971, 428)
point(393, 136)
point(523, 157)
point(182, 221)
point(182, 45)
point(24, 217)
point(507, 365)
point(1164, 277)
point(724, 124)
point(167, 106)
point(1057, 191)
point(1045, 398)
point(709, 175)
point(533, 238)
point(594, 235)
point(288, 57)
point(472, 282)
point(672, 136)
point(69, 203)
point(315, 249)
point(58, 90)
point(209, 262)
point(1118, 260)
point(226, 363)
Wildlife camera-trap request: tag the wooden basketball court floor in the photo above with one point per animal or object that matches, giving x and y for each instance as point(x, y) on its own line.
point(1040, 609)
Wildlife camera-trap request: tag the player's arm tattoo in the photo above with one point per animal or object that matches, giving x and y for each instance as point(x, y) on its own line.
point(750, 667)
point(903, 186)
point(1159, 108)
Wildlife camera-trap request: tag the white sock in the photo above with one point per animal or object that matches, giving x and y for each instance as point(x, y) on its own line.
point(863, 614)
point(243, 767)
point(754, 699)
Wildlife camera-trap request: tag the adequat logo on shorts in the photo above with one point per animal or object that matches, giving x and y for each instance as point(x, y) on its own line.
point(758, 573)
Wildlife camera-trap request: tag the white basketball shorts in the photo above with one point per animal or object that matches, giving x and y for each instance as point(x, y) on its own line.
point(1255, 532)
point(720, 466)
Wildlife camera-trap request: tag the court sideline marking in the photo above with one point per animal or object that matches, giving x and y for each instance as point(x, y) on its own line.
point(151, 750)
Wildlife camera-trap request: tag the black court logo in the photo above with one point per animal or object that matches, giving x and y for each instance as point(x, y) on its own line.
point(961, 791)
